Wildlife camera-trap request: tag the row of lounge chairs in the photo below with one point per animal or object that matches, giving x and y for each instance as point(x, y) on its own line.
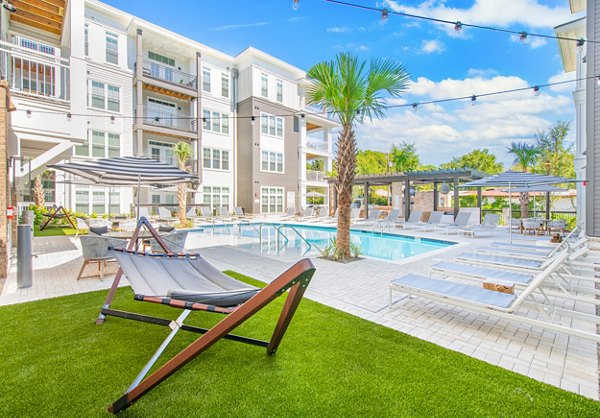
point(547, 280)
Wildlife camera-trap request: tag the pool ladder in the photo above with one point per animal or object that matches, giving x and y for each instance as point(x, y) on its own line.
point(281, 234)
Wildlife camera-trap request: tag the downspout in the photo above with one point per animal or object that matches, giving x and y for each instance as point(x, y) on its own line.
point(234, 96)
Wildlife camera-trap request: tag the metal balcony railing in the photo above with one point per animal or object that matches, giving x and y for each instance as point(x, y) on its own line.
point(35, 73)
point(169, 119)
point(317, 145)
point(169, 74)
point(318, 176)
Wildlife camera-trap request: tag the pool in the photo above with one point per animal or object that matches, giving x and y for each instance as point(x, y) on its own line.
point(306, 240)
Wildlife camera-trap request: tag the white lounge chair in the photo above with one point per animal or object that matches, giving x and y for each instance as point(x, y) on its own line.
point(488, 226)
point(415, 217)
point(82, 226)
point(461, 221)
point(144, 212)
point(480, 272)
point(224, 214)
point(389, 220)
point(434, 220)
point(503, 305)
point(239, 213)
point(371, 219)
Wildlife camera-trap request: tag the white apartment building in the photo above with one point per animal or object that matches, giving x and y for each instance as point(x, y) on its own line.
point(97, 82)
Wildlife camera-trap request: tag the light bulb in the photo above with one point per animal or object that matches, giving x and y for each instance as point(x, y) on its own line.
point(473, 100)
point(252, 119)
point(384, 15)
point(579, 45)
point(458, 26)
point(598, 80)
point(296, 4)
point(536, 91)
point(523, 37)
point(415, 107)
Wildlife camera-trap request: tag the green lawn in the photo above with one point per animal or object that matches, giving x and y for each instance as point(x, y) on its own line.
point(53, 231)
point(57, 362)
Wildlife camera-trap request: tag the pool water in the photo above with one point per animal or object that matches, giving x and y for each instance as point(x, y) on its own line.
point(301, 240)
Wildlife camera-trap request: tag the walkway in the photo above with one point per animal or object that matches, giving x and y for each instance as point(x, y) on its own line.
point(361, 288)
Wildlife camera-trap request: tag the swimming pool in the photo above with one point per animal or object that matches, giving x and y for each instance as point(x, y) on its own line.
point(307, 240)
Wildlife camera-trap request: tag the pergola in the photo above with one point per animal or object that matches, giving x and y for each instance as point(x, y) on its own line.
point(451, 177)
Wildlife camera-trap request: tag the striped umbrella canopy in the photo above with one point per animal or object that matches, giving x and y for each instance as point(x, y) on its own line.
point(515, 179)
point(126, 171)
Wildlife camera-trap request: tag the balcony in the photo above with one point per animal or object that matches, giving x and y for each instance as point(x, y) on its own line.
point(317, 145)
point(32, 72)
point(169, 78)
point(316, 176)
point(167, 119)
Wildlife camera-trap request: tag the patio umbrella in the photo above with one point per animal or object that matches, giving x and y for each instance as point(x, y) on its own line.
point(126, 171)
point(313, 195)
point(515, 179)
point(175, 188)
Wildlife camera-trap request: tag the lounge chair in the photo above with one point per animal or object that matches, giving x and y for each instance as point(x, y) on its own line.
point(558, 225)
point(165, 215)
point(532, 225)
point(308, 214)
point(224, 214)
point(480, 272)
point(144, 212)
point(97, 249)
point(191, 214)
point(503, 261)
point(190, 283)
point(239, 213)
point(461, 221)
point(289, 215)
point(389, 220)
point(415, 217)
point(82, 226)
point(500, 304)
point(175, 240)
point(371, 219)
point(434, 220)
point(488, 226)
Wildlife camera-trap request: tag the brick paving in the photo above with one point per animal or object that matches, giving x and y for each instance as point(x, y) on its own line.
point(362, 289)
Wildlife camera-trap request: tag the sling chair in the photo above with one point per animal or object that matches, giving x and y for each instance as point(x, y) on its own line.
point(189, 282)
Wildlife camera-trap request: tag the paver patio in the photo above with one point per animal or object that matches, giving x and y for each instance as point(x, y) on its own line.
point(360, 288)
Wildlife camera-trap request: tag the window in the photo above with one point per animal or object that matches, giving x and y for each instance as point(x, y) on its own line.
point(215, 121)
point(35, 45)
point(86, 40)
point(271, 199)
point(224, 85)
point(264, 85)
point(112, 48)
point(271, 161)
point(115, 205)
point(271, 125)
point(102, 145)
point(161, 58)
point(164, 71)
point(162, 151)
point(215, 158)
point(279, 91)
point(98, 201)
point(82, 200)
point(105, 96)
point(206, 79)
point(214, 196)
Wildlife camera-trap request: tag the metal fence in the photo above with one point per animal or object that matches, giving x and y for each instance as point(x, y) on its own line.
point(567, 215)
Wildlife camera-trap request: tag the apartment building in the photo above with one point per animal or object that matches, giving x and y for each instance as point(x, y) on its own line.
point(97, 82)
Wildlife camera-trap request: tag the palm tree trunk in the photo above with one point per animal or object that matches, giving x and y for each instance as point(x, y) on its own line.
point(181, 201)
point(524, 201)
point(346, 167)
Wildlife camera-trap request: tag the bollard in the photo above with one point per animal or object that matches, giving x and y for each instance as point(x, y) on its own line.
point(24, 255)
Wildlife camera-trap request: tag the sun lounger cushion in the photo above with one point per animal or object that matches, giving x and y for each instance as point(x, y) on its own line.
point(191, 279)
point(519, 251)
point(499, 259)
point(98, 230)
point(165, 228)
point(482, 272)
point(446, 288)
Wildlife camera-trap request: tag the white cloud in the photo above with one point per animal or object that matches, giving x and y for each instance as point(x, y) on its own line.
point(450, 88)
point(338, 29)
point(431, 46)
point(531, 13)
point(560, 77)
point(479, 72)
point(240, 26)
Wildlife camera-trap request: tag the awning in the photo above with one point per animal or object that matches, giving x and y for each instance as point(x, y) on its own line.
point(516, 179)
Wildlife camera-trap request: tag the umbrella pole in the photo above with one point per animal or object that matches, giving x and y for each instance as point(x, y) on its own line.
point(509, 213)
point(138, 197)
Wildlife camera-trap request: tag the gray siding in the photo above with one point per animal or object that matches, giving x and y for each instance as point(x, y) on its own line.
point(593, 122)
point(250, 177)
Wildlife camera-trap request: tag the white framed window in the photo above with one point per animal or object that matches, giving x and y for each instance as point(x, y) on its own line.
point(82, 200)
point(264, 85)
point(271, 161)
point(224, 85)
point(89, 199)
point(215, 196)
point(215, 159)
point(161, 151)
point(271, 125)
point(105, 96)
point(279, 91)
point(161, 66)
point(86, 39)
point(206, 79)
point(215, 121)
point(112, 47)
point(271, 199)
point(103, 145)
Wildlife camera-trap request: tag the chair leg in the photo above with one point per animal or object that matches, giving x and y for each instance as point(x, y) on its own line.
point(101, 265)
point(85, 263)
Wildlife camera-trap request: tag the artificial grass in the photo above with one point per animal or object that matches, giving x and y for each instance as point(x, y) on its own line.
point(57, 362)
point(54, 230)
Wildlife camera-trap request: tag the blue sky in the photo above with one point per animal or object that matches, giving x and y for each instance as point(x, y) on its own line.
point(441, 62)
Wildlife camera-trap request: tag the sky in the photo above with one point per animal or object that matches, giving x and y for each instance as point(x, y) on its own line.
point(442, 63)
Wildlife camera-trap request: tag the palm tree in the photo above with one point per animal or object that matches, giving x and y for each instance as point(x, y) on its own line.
point(525, 158)
point(353, 92)
point(183, 152)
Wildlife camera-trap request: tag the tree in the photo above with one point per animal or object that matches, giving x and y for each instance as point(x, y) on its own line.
point(479, 159)
point(404, 157)
point(183, 152)
point(371, 162)
point(354, 93)
point(38, 192)
point(315, 165)
point(525, 158)
point(555, 157)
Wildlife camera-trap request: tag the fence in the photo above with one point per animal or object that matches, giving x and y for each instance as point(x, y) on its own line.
point(567, 215)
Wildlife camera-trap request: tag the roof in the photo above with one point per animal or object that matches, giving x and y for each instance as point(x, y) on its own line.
point(430, 176)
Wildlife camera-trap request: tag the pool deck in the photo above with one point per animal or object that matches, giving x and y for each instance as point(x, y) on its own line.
point(361, 288)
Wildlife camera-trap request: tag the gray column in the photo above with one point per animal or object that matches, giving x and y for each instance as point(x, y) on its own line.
point(139, 105)
point(366, 199)
point(406, 198)
point(435, 196)
point(199, 115)
point(456, 197)
point(479, 203)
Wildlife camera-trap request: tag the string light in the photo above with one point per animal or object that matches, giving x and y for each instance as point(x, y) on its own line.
point(112, 118)
point(384, 15)
point(536, 91)
point(296, 4)
point(252, 120)
point(458, 26)
point(473, 100)
point(414, 105)
point(302, 116)
point(579, 45)
point(523, 37)
point(449, 22)
point(28, 113)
